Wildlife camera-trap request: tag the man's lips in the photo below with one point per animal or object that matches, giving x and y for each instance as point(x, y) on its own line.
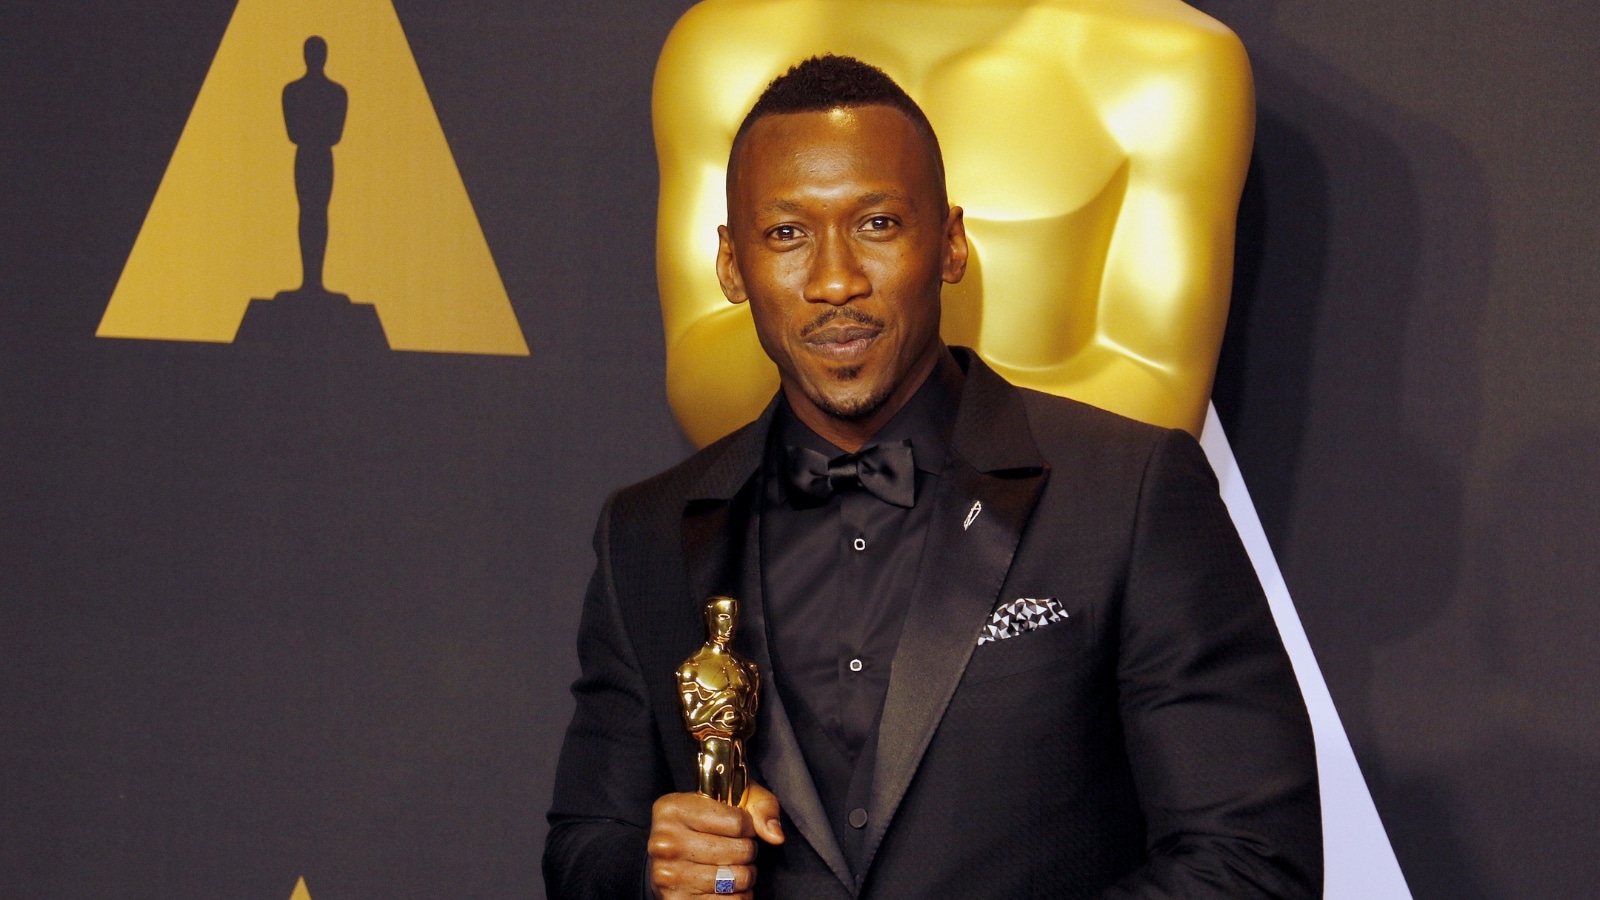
point(842, 341)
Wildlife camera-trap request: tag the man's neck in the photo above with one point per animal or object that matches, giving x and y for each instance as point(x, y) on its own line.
point(851, 435)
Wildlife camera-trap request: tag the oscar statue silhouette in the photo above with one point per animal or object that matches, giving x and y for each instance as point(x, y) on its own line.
point(314, 111)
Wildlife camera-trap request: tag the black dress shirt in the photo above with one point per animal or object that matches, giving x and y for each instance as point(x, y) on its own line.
point(837, 578)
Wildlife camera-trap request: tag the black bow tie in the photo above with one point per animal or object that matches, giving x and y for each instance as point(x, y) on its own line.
point(887, 471)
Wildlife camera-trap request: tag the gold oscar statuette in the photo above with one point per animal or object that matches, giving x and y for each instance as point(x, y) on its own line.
point(719, 691)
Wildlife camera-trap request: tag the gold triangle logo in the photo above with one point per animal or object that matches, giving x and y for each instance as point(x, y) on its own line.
point(229, 221)
point(300, 891)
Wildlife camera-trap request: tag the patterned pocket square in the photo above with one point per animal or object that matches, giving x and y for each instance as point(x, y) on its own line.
point(1021, 616)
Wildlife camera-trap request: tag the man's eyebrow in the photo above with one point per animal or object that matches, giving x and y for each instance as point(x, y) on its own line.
point(875, 197)
point(870, 198)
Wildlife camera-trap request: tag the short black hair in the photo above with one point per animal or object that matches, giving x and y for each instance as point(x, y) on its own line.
point(827, 82)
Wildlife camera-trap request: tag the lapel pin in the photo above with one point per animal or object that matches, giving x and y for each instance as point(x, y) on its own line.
point(972, 514)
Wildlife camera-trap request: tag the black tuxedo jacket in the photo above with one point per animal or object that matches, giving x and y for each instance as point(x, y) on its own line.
point(1152, 744)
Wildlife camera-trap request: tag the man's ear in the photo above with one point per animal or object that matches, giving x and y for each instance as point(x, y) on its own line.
point(954, 264)
point(728, 268)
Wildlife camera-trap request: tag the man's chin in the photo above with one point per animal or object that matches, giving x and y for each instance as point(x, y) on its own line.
point(850, 407)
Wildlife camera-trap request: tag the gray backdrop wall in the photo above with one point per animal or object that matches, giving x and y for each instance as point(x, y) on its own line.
point(268, 612)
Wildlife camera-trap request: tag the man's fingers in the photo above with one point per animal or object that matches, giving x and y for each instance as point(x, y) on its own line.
point(762, 805)
point(704, 815)
point(701, 849)
point(691, 837)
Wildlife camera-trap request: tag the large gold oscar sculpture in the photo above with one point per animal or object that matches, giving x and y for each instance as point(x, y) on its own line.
point(720, 690)
point(1098, 149)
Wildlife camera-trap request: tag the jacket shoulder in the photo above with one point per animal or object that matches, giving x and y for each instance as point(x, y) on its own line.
point(668, 491)
point(1089, 445)
point(1060, 423)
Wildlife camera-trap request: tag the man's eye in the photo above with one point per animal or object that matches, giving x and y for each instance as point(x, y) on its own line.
point(879, 223)
point(785, 233)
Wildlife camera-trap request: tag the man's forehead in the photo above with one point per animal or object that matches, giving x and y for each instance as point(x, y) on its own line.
point(876, 126)
point(813, 149)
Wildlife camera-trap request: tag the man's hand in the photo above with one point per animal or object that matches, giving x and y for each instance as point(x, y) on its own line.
point(690, 836)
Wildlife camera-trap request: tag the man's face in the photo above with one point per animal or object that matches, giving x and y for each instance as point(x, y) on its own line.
point(839, 238)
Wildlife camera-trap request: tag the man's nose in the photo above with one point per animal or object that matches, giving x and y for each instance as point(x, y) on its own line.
point(836, 274)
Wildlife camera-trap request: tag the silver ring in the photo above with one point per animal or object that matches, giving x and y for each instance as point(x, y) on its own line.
point(724, 883)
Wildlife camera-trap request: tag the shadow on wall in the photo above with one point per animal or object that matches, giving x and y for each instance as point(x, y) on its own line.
point(1263, 375)
point(1507, 737)
point(1348, 386)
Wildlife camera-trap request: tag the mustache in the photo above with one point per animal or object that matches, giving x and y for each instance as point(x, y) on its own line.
point(847, 313)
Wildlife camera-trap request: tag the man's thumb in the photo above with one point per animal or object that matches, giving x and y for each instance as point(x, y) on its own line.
point(762, 805)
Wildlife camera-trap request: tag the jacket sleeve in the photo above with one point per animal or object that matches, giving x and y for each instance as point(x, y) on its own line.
point(611, 769)
point(1216, 729)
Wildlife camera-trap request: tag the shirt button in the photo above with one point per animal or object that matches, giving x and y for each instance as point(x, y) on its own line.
point(860, 544)
point(858, 818)
point(855, 665)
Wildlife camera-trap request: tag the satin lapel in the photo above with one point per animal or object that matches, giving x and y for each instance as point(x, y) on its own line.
point(978, 521)
point(721, 499)
point(717, 503)
point(708, 550)
point(722, 555)
point(707, 553)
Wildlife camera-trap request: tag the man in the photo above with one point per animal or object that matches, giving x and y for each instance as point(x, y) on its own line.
point(1014, 647)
